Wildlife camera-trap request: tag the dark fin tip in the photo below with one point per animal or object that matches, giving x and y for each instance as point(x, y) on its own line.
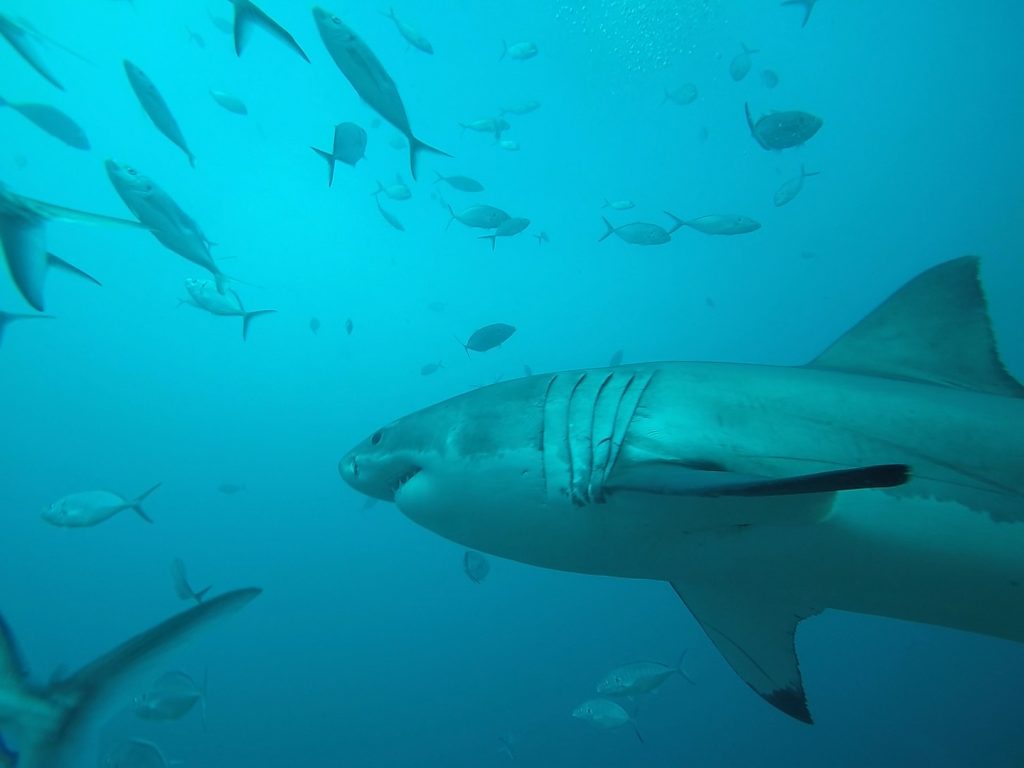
point(792, 701)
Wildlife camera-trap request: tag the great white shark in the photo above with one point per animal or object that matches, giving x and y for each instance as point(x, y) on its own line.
point(885, 477)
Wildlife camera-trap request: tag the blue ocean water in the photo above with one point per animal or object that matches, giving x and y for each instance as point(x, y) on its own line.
point(369, 646)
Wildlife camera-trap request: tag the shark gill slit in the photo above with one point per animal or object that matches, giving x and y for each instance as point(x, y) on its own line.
point(621, 427)
point(567, 436)
point(594, 436)
point(544, 433)
point(597, 482)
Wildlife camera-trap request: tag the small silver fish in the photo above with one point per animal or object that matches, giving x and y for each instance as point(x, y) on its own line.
point(461, 183)
point(524, 108)
point(618, 205)
point(508, 145)
point(475, 566)
point(605, 714)
point(349, 147)
point(156, 108)
point(397, 191)
point(740, 65)
point(230, 103)
point(637, 233)
point(18, 37)
point(170, 698)
point(205, 295)
point(488, 337)
point(493, 125)
point(518, 51)
point(717, 224)
point(390, 218)
point(683, 95)
point(792, 187)
point(314, 325)
point(411, 35)
point(782, 130)
point(640, 677)
point(431, 368)
point(479, 216)
point(51, 120)
point(89, 508)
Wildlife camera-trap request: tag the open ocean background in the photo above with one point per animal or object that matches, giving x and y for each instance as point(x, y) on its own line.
point(370, 647)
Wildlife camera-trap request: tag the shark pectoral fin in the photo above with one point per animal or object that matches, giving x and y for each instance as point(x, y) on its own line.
point(59, 263)
point(936, 328)
point(59, 212)
point(755, 633)
point(706, 479)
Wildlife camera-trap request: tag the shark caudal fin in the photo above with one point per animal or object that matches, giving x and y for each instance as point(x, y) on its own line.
point(755, 633)
point(46, 721)
point(935, 329)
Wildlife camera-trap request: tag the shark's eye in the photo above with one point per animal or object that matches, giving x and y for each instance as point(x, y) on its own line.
point(376, 438)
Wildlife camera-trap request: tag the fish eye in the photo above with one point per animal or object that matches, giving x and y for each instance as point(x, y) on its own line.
point(376, 437)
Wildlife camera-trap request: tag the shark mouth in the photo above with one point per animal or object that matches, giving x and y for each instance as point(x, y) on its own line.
point(396, 486)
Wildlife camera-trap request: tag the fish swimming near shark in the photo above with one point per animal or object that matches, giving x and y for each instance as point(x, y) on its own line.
point(46, 723)
point(349, 147)
point(248, 17)
point(155, 107)
point(227, 303)
point(164, 218)
point(51, 120)
point(367, 75)
point(885, 477)
point(23, 223)
point(18, 37)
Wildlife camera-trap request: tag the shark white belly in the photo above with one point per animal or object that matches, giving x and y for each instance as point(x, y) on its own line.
point(884, 478)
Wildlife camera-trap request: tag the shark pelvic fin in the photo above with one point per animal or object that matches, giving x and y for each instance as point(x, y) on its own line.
point(755, 633)
point(934, 329)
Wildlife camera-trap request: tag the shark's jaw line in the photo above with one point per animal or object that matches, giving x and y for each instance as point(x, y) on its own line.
point(883, 478)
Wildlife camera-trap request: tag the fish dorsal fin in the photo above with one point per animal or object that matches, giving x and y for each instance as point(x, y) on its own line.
point(935, 329)
point(756, 634)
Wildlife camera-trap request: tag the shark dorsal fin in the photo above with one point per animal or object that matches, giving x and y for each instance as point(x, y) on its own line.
point(935, 329)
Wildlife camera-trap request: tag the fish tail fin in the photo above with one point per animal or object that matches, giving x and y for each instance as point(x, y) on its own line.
point(3, 101)
point(681, 671)
point(459, 342)
point(198, 596)
point(191, 159)
point(504, 50)
point(136, 504)
point(59, 263)
point(605, 204)
point(329, 157)
point(415, 147)
point(247, 318)
point(637, 731)
point(452, 217)
point(666, 98)
point(750, 125)
point(376, 192)
point(609, 229)
point(49, 719)
point(678, 223)
point(439, 177)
